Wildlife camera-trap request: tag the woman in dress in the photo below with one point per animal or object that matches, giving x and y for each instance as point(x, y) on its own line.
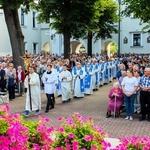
point(116, 100)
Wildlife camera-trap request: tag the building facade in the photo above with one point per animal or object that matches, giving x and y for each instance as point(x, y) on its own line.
point(40, 37)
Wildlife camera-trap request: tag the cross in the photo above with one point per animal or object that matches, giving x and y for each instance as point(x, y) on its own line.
point(27, 58)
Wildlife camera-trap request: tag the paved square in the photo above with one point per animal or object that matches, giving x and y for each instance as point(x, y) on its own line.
point(94, 106)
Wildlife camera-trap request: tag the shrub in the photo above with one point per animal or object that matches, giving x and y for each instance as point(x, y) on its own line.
point(18, 134)
point(134, 143)
point(79, 133)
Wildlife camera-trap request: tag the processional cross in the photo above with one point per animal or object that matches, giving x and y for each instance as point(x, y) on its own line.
point(27, 58)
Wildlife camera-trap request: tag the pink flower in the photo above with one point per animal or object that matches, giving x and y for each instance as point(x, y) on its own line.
point(67, 140)
point(7, 107)
point(89, 137)
point(94, 147)
point(75, 145)
point(61, 129)
point(60, 119)
point(71, 135)
point(36, 146)
point(58, 148)
point(68, 147)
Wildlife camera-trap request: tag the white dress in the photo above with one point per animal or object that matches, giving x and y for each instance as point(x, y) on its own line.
point(65, 85)
point(35, 92)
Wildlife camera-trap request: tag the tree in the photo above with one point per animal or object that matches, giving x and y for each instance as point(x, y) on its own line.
point(71, 18)
point(113, 47)
point(105, 26)
point(140, 9)
point(14, 29)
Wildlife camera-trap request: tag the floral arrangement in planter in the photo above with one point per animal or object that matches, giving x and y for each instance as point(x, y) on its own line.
point(134, 143)
point(77, 133)
point(18, 134)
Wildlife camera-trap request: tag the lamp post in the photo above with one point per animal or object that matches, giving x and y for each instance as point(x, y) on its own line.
point(119, 2)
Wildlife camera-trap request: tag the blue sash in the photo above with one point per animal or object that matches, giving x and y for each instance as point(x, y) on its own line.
point(106, 73)
point(102, 67)
point(87, 77)
point(110, 70)
point(59, 83)
point(81, 80)
point(96, 74)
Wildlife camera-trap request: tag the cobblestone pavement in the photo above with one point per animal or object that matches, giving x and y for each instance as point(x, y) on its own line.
point(94, 106)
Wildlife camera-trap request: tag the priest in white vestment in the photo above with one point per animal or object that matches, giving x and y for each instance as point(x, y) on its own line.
point(65, 78)
point(88, 78)
point(33, 81)
point(78, 81)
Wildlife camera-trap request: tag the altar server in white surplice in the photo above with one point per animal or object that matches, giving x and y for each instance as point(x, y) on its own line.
point(49, 79)
point(88, 78)
point(78, 81)
point(32, 84)
point(65, 78)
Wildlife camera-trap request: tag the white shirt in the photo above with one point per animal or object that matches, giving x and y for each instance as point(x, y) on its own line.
point(129, 84)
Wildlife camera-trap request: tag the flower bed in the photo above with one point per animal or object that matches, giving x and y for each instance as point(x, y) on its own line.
point(134, 143)
point(18, 134)
point(74, 133)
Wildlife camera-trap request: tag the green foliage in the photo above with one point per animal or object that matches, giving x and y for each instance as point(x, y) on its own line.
point(74, 15)
point(2, 113)
point(140, 9)
point(106, 22)
point(79, 133)
point(113, 47)
point(34, 135)
point(3, 127)
point(15, 4)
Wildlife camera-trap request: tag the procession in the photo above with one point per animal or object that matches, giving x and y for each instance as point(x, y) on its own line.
point(79, 76)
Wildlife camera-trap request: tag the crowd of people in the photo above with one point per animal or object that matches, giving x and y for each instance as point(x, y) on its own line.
point(80, 75)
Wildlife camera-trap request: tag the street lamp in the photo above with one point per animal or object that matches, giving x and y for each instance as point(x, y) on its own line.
point(119, 2)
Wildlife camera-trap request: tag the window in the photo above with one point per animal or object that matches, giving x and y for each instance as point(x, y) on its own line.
point(22, 17)
point(137, 39)
point(35, 48)
point(34, 20)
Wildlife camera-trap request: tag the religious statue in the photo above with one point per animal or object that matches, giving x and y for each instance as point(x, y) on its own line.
point(27, 58)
